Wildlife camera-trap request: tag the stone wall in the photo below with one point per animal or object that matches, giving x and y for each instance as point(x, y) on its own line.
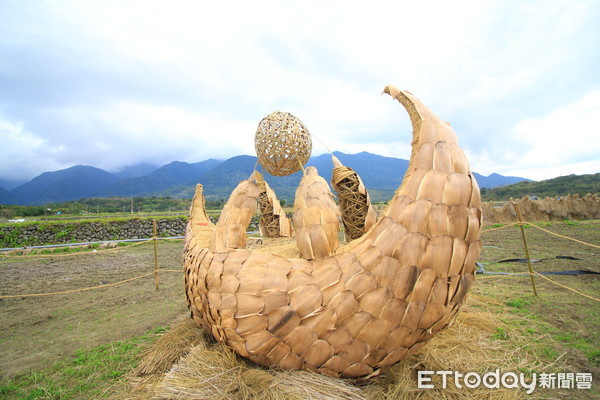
point(44, 232)
point(41, 233)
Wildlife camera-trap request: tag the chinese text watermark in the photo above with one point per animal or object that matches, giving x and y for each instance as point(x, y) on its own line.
point(497, 379)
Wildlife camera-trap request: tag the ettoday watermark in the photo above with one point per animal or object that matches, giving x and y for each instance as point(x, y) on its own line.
point(497, 379)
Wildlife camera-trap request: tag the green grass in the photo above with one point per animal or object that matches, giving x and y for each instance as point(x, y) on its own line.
point(500, 334)
point(85, 375)
point(519, 303)
point(529, 308)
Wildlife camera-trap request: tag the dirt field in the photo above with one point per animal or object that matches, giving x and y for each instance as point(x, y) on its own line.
point(36, 330)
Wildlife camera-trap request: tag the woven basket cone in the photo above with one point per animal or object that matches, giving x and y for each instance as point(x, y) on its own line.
point(358, 215)
point(315, 217)
point(362, 310)
point(273, 221)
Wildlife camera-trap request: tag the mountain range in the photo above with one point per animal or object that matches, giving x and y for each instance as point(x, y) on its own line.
point(381, 175)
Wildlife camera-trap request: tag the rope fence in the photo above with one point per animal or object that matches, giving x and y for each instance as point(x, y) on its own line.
point(566, 287)
point(500, 227)
point(532, 273)
point(565, 237)
point(79, 253)
point(156, 271)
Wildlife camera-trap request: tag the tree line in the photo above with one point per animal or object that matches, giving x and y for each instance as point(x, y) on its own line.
point(106, 205)
point(561, 186)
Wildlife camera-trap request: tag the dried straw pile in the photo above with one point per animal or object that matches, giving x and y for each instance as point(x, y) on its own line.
point(358, 215)
point(548, 209)
point(168, 349)
point(211, 371)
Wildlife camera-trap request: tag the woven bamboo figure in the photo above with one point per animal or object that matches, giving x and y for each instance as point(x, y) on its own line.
point(358, 215)
point(202, 228)
point(362, 310)
point(315, 217)
point(273, 221)
point(230, 231)
point(283, 144)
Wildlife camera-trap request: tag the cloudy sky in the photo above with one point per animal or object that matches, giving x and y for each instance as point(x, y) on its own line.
point(115, 83)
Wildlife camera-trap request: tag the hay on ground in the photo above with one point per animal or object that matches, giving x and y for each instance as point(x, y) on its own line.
point(166, 351)
point(212, 371)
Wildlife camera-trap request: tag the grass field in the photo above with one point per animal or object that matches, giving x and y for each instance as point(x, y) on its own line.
point(84, 345)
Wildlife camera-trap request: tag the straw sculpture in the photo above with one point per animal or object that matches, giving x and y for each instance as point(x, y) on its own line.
point(315, 217)
point(202, 228)
point(358, 215)
point(230, 231)
point(362, 310)
point(273, 221)
point(283, 144)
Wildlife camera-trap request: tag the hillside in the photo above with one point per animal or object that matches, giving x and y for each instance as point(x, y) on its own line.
point(5, 196)
point(495, 180)
point(136, 170)
point(561, 186)
point(72, 183)
point(381, 175)
point(172, 174)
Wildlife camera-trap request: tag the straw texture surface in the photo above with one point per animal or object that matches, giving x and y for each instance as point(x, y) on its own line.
point(357, 312)
point(202, 227)
point(283, 144)
point(315, 217)
point(358, 215)
point(230, 231)
point(273, 221)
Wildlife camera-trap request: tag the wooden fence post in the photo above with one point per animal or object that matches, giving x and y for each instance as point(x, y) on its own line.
point(155, 254)
point(520, 217)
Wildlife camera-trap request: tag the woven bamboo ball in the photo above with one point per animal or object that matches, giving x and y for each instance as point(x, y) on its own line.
point(283, 143)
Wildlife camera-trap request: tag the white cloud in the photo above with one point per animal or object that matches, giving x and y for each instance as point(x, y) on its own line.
point(24, 154)
point(564, 141)
point(128, 81)
point(127, 133)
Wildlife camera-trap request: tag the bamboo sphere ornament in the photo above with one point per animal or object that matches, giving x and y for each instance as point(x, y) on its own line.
point(283, 144)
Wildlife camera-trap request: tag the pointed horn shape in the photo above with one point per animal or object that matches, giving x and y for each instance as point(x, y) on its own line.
point(230, 231)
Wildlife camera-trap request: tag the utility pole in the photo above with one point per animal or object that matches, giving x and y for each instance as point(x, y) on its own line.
point(132, 204)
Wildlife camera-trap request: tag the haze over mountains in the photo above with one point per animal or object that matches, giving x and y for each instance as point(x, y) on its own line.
point(381, 175)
